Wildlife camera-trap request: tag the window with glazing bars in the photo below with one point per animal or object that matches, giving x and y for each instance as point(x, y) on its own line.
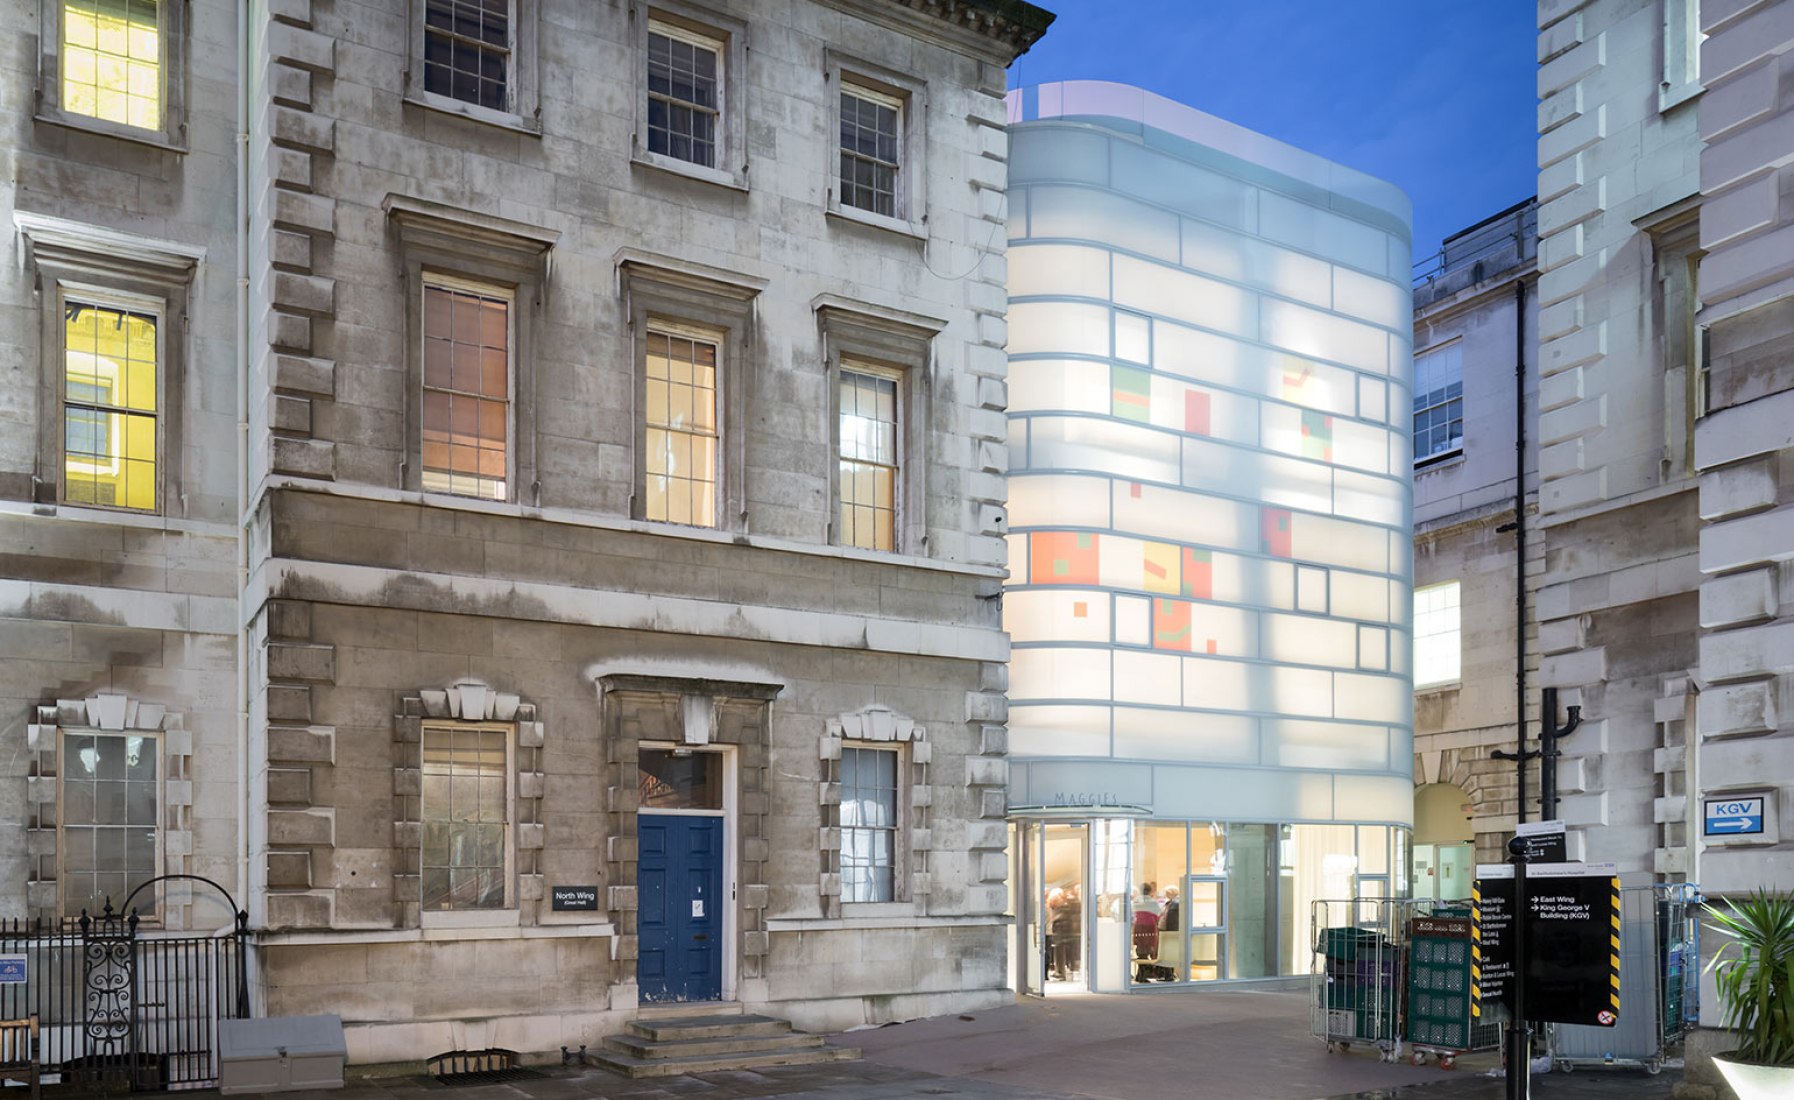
point(871, 144)
point(465, 817)
point(868, 824)
point(467, 51)
point(107, 813)
point(109, 405)
point(467, 380)
point(1438, 403)
point(684, 94)
point(869, 462)
point(112, 61)
point(681, 423)
point(1438, 644)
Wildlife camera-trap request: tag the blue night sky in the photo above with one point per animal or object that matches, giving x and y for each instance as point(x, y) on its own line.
point(1436, 96)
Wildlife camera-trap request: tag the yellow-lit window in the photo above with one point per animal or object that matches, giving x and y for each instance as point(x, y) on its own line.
point(681, 428)
point(467, 385)
point(109, 405)
point(112, 61)
point(868, 458)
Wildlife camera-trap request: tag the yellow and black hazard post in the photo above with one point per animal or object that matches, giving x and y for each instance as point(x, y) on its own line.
point(1476, 949)
point(1613, 949)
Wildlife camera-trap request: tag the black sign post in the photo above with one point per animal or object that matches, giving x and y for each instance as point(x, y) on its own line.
point(1519, 1035)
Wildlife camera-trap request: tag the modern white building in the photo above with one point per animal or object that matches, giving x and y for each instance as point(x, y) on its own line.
point(1210, 499)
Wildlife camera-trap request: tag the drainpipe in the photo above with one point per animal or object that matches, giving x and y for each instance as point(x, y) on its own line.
point(244, 803)
point(1519, 756)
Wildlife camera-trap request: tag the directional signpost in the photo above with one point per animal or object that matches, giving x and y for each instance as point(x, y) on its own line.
point(1733, 816)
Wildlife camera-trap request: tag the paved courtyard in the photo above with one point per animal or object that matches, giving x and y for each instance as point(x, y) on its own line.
point(1154, 1046)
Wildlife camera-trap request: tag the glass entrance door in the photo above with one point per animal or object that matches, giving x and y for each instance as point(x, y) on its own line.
point(1064, 871)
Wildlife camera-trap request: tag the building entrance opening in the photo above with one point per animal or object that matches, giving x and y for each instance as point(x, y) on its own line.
point(680, 874)
point(1444, 843)
point(1063, 879)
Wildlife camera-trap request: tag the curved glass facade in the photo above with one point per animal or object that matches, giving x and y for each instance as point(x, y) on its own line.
point(1210, 507)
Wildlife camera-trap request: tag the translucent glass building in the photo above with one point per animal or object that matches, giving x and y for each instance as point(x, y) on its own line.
point(1210, 558)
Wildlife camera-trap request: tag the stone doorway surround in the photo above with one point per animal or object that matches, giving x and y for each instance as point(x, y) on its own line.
point(679, 710)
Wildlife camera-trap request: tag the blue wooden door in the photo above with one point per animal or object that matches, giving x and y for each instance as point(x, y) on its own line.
point(680, 920)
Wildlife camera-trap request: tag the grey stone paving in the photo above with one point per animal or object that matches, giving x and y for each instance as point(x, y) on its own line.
point(1171, 1046)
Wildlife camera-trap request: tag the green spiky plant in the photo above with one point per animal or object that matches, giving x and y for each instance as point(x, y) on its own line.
point(1755, 975)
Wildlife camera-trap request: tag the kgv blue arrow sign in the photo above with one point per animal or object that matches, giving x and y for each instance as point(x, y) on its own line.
point(1733, 816)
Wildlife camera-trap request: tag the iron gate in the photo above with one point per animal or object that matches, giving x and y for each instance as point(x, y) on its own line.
point(120, 1006)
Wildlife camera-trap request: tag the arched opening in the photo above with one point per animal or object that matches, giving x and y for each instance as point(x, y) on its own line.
point(1444, 842)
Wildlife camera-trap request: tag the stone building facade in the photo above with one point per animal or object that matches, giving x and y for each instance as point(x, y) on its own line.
point(118, 611)
point(1742, 447)
point(622, 500)
point(1476, 354)
point(1618, 397)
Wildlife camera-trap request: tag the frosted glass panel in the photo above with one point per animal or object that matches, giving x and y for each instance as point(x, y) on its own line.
point(1183, 516)
point(1321, 335)
point(1378, 301)
point(1059, 674)
point(1360, 596)
point(1133, 620)
point(1210, 487)
point(1311, 641)
point(1244, 259)
point(1058, 328)
point(1372, 698)
point(1070, 615)
point(1224, 685)
point(1147, 678)
point(1089, 214)
point(1181, 735)
point(1292, 222)
point(1183, 296)
point(1304, 691)
point(1062, 500)
point(1374, 499)
point(1185, 187)
point(1089, 444)
point(1072, 271)
point(1059, 385)
point(1296, 744)
point(1058, 731)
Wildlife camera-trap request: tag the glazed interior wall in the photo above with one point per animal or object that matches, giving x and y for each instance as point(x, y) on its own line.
point(1210, 466)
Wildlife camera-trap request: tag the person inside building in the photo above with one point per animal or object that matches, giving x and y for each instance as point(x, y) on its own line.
point(1067, 926)
point(1171, 940)
point(1146, 934)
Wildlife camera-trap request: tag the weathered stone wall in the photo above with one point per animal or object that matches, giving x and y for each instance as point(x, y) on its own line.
point(376, 607)
point(1464, 531)
point(95, 601)
point(1617, 176)
point(1744, 447)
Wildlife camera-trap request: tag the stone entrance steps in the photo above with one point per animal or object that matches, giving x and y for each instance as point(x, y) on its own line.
point(670, 1040)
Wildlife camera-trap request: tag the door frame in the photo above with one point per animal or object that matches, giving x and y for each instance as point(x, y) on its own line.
point(730, 818)
point(1221, 931)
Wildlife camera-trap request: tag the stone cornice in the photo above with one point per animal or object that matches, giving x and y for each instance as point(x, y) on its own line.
point(1003, 28)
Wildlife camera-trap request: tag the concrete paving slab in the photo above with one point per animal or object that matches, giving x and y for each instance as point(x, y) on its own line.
point(1201, 1045)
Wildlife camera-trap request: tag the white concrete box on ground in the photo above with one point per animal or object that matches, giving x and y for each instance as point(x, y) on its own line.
point(281, 1054)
